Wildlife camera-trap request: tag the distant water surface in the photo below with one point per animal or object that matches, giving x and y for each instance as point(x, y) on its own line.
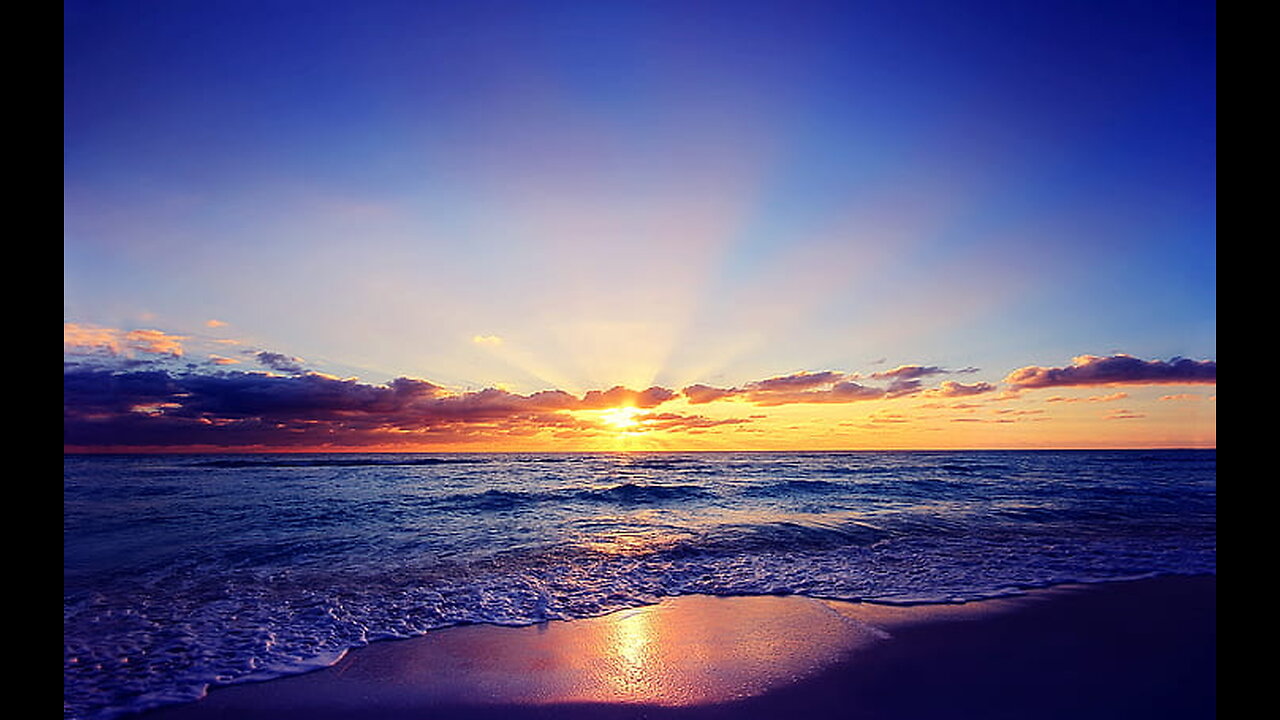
point(186, 571)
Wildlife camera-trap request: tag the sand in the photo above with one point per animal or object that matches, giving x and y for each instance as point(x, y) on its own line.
point(1136, 649)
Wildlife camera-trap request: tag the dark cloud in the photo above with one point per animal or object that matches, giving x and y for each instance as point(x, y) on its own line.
point(620, 396)
point(92, 391)
point(770, 394)
point(1117, 370)
point(161, 408)
point(700, 394)
point(280, 363)
point(841, 392)
point(827, 386)
point(908, 372)
point(796, 381)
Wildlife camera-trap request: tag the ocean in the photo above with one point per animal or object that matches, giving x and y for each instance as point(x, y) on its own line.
point(181, 572)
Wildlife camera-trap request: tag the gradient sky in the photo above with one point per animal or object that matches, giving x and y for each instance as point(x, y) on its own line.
point(444, 226)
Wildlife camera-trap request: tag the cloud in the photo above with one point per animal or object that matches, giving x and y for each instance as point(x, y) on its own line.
point(700, 394)
point(827, 386)
point(796, 381)
point(112, 398)
point(681, 422)
point(279, 362)
point(155, 341)
point(1182, 397)
point(155, 407)
point(951, 388)
point(1092, 398)
point(841, 392)
point(882, 418)
point(215, 323)
point(622, 397)
point(908, 372)
point(487, 340)
point(830, 386)
point(1089, 370)
point(770, 394)
point(79, 339)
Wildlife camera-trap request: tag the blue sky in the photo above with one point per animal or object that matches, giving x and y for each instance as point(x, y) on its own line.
point(554, 195)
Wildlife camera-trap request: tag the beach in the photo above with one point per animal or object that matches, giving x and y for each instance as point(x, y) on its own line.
point(681, 583)
point(1127, 649)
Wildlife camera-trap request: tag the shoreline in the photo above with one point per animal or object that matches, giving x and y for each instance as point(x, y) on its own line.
point(1119, 649)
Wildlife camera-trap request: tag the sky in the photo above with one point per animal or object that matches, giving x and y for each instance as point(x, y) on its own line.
point(537, 226)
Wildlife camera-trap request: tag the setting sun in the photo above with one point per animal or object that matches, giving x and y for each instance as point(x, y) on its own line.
point(622, 418)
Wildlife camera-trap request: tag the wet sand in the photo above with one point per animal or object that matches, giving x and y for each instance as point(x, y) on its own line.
point(1137, 649)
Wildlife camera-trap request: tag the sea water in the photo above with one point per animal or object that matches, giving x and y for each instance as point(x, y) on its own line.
point(182, 572)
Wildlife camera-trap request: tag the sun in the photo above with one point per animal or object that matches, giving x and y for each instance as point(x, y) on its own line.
point(622, 418)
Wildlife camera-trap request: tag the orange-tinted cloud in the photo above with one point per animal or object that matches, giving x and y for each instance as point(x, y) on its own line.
point(951, 388)
point(111, 399)
point(1092, 398)
point(155, 341)
point(1182, 397)
point(78, 338)
point(677, 421)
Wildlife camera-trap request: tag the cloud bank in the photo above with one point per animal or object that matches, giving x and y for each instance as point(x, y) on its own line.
point(142, 389)
point(829, 386)
point(1091, 370)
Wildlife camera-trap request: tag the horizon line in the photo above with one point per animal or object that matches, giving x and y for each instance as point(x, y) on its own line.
point(632, 452)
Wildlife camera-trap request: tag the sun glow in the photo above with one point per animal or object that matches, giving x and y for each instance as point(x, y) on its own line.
point(623, 418)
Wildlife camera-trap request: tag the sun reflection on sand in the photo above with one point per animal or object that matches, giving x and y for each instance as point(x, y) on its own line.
point(694, 650)
point(683, 651)
point(632, 648)
point(688, 650)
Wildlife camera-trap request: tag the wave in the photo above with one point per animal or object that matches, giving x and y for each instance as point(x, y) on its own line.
point(492, 500)
point(791, 488)
point(632, 493)
point(783, 536)
point(621, 494)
